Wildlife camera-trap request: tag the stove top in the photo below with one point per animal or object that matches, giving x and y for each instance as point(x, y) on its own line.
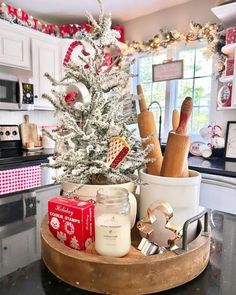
point(10, 143)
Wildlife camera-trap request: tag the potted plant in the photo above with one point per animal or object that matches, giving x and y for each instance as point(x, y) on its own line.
point(96, 146)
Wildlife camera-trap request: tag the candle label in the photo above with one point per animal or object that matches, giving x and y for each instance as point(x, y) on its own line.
point(112, 235)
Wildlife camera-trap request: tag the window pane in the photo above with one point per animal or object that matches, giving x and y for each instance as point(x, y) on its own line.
point(202, 91)
point(199, 119)
point(185, 88)
point(145, 69)
point(188, 57)
point(147, 90)
point(158, 59)
point(203, 65)
point(158, 94)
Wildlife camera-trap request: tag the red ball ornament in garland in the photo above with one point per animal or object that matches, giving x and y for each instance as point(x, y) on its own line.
point(71, 97)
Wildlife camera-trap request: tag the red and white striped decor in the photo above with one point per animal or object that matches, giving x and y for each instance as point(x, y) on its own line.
point(18, 179)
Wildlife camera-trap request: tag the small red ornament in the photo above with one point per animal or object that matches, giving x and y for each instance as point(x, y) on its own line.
point(107, 58)
point(71, 97)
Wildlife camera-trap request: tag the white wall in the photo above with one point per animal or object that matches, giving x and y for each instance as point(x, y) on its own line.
point(179, 18)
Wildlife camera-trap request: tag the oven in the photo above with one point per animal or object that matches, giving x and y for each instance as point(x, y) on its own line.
point(17, 212)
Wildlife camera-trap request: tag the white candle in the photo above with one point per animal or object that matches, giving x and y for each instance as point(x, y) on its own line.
point(112, 234)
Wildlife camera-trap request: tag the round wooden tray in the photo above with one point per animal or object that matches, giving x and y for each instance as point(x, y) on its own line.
point(132, 274)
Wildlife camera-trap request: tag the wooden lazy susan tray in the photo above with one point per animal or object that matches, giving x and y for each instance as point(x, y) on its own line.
point(132, 274)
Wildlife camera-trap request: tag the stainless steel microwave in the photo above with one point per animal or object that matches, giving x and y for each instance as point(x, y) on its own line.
point(16, 95)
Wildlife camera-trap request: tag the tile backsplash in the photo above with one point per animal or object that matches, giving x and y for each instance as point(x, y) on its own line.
point(45, 118)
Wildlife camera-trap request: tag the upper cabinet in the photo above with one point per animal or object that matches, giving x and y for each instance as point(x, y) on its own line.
point(36, 52)
point(14, 49)
point(226, 13)
point(45, 59)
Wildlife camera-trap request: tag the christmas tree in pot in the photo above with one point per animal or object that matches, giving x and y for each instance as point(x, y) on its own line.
point(96, 145)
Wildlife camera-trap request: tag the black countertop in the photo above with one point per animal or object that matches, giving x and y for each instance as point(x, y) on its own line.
point(23, 157)
point(217, 279)
point(213, 165)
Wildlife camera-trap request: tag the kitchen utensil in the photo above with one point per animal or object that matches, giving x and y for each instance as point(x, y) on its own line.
point(29, 134)
point(175, 119)
point(178, 144)
point(147, 127)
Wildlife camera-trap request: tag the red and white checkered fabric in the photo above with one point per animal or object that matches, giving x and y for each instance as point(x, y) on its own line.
point(18, 179)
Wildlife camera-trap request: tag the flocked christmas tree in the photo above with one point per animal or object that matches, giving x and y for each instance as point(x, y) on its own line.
point(96, 146)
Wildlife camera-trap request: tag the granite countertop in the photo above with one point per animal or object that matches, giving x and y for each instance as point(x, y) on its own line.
point(218, 278)
point(213, 165)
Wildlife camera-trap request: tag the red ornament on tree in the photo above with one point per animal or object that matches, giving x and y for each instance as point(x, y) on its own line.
point(121, 30)
point(71, 97)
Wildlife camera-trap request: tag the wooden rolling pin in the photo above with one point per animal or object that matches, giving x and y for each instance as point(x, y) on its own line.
point(175, 119)
point(147, 126)
point(175, 124)
point(177, 147)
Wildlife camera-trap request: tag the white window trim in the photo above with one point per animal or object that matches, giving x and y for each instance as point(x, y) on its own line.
point(171, 86)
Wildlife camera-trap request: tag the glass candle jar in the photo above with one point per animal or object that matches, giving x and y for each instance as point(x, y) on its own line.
point(112, 222)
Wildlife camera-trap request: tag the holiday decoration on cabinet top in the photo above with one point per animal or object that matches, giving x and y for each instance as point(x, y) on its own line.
point(23, 18)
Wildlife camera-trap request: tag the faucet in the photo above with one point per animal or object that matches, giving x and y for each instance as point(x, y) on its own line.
point(160, 116)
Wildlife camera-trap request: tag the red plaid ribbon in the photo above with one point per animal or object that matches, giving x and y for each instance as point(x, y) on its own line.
point(18, 179)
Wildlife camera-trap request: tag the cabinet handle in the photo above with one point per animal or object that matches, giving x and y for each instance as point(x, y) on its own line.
point(38, 202)
point(36, 96)
point(5, 248)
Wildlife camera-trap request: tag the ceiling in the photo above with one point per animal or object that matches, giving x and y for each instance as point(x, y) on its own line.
point(73, 11)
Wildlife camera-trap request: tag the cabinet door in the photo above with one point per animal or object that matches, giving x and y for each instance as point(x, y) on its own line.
point(45, 59)
point(18, 250)
point(14, 49)
point(43, 195)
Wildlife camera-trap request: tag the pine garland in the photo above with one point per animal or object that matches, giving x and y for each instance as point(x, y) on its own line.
point(84, 131)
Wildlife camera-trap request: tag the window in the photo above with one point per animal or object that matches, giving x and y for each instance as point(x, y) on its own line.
point(170, 94)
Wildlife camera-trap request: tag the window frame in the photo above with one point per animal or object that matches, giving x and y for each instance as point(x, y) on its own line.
point(171, 86)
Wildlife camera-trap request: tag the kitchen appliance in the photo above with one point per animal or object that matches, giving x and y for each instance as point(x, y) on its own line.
point(10, 143)
point(17, 212)
point(16, 95)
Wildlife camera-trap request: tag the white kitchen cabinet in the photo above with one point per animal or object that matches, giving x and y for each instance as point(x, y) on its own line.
point(14, 49)
point(45, 59)
point(218, 193)
point(18, 250)
point(43, 195)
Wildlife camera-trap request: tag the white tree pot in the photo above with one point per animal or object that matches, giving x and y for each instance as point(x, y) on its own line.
point(89, 191)
point(181, 193)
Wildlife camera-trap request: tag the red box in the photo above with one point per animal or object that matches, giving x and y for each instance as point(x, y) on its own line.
point(71, 221)
point(231, 35)
point(229, 67)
